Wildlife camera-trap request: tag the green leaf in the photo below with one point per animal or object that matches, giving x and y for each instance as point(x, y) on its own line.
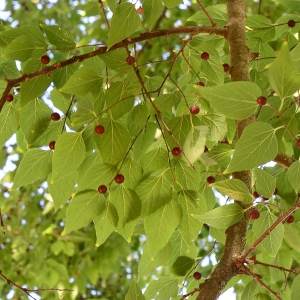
point(9, 120)
point(182, 265)
point(160, 225)
point(106, 223)
point(187, 177)
point(217, 12)
point(152, 11)
point(257, 146)
point(34, 119)
point(216, 123)
point(84, 207)
point(146, 264)
point(223, 216)
point(163, 102)
point(35, 165)
point(283, 76)
point(194, 144)
point(127, 203)
point(134, 292)
point(59, 37)
point(172, 3)
point(273, 240)
point(125, 21)
point(62, 188)
point(295, 291)
point(155, 192)
point(250, 290)
point(163, 288)
point(82, 82)
point(235, 189)
point(116, 60)
point(114, 142)
point(21, 48)
point(293, 175)
point(236, 100)
point(265, 183)
point(155, 160)
point(68, 154)
point(192, 203)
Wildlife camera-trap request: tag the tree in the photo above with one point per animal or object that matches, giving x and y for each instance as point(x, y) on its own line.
point(131, 123)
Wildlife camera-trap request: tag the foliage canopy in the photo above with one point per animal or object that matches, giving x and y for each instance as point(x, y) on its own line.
point(129, 190)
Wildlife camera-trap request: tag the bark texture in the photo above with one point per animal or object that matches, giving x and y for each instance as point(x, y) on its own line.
point(236, 234)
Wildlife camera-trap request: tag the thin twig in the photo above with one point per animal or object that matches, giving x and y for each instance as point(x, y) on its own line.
point(1, 222)
point(268, 231)
point(207, 14)
point(257, 278)
point(104, 13)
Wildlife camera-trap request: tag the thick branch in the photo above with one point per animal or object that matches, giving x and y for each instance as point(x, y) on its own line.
point(235, 239)
point(143, 37)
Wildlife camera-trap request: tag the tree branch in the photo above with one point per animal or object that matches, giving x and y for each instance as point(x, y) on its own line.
point(235, 239)
point(103, 49)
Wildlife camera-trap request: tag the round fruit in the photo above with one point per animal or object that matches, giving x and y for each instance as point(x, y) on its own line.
point(55, 116)
point(200, 83)
point(52, 145)
point(224, 142)
point(254, 214)
point(256, 195)
point(291, 23)
point(99, 129)
point(176, 151)
point(197, 275)
point(226, 67)
point(140, 10)
point(102, 189)
point(275, 192)
point(205, 149)
point(9, 98)
point(290, 219)
point(45, 59)
point(130, 60)
point(119, 178)
point(194, 109)
point(298, 143)
point(210, 179)
point(261, 100)
point(205, 56)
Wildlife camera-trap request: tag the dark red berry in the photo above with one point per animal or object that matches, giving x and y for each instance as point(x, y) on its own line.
point(55, 116)
point(9, 98)
point(119, 178)
point(176, 151)
point(200, 83)
point(194, 109)
point(205, 56)
point(226, 67)
point(130, 60)
point(265, 198)
point(291, 23)
point(102, 189)
point(224, 142)
point(298, 143)
point(197, 275)
point(45, 59)
point(210, 179)
point(52, 145)
point(261, 100)
point(290, 219)
point(256, 195)
point(254, 214)
point(275, 192)
point(140, 10)
point(99, 129)
point(205, 149)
